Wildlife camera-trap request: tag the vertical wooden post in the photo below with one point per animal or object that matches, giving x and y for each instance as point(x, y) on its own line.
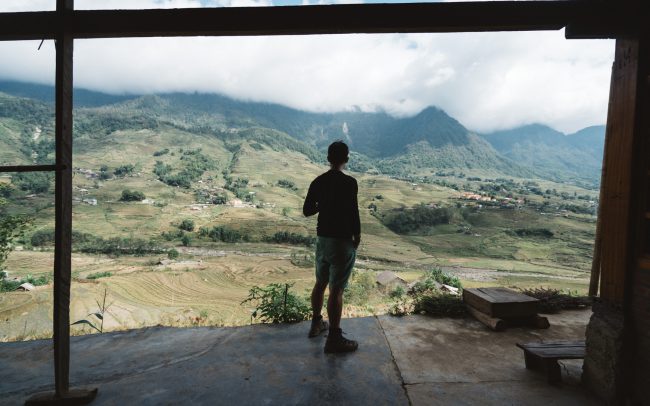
point(63, 220)
point(63, 200)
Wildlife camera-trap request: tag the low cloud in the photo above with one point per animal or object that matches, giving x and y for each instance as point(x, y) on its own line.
point(487, 81)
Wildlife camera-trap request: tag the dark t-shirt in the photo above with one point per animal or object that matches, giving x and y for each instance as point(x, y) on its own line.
point(333, 195)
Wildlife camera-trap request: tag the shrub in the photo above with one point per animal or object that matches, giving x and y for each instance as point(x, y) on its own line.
point(287, 184)
point(161, 152)
point(429, 284)
point(132, 196)
point(173, 254)
point(285, 237)
point(225, 234)
point(403, 221)
point(122, 171)
point(440, 305)
point(118, 246)
point(554, 300)
point(186, 240)
point(360, 287)
point(33, 182)
point(531, 232)
point(276, 304)
point(98, 275)
point(187, 225)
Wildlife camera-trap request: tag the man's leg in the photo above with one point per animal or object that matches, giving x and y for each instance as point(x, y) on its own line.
point(317, 295)
point(335, 307)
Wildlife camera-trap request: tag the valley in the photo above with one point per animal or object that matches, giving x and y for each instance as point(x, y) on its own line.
point(182, 203)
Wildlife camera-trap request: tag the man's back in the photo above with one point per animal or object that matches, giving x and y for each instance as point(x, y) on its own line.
point(333, 195)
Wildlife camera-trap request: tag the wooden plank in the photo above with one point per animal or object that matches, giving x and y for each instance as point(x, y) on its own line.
point(556, 351)
point(594, 277)
point(615, 246)
point(501, 302)
point(63, 204)
point(28, 168)
point(493, 323)
point(330, 19)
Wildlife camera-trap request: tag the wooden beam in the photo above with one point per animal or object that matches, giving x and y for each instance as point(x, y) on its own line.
point(63, 203)
point(331, 19)
point(616, 244)
point(28, 168)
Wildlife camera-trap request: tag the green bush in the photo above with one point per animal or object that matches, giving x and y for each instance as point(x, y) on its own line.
point(187, 225)
point(117, 246)
point(186, 240)
point(431, 280)
point(225, 234)
point(33, 182)
point(122, 171)
point(161, 152)
point(276, 304)
point(285, 237)
point(98, 275)
point(404, 221)
point(287, 184)
point(440, 305)
point(360, 287)
point(531, 232)
point(132, 196)
point(173, 254)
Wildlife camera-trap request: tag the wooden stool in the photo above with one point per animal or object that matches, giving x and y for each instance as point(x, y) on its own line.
point(545, 356)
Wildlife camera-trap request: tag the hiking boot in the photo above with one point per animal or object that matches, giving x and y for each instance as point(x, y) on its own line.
point(318, 325)
point(337, 343)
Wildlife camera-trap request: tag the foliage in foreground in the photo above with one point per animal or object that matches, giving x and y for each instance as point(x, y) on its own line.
point(554, 300)
point(98, 315)
point(426, 298)
point(276, 304)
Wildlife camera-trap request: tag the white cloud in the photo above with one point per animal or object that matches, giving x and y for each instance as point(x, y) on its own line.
point(486, 80)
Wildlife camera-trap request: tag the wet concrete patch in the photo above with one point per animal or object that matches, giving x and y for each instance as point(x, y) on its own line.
point(254, 365)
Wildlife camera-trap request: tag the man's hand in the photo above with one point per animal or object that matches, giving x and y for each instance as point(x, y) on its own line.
point(356, 240)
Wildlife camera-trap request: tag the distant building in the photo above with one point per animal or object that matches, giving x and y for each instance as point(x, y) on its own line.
point(26, 287)
point(388, 281)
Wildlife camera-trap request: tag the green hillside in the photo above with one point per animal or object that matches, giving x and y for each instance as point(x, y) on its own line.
point(182, 203)
point(552, 154)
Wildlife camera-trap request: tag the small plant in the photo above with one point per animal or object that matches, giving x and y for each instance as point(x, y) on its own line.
point(186, 240)
point(99, 315)
point(397, 293)
point(276, 304)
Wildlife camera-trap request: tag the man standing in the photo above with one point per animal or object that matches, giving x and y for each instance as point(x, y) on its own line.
point(333, 195)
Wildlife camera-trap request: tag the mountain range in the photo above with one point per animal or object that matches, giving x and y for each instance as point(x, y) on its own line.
point(412, 146)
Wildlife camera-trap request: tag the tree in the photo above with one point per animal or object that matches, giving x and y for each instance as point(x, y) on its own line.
point(11, 227)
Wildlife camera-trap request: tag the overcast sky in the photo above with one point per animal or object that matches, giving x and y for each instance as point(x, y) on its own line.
point(487, 81)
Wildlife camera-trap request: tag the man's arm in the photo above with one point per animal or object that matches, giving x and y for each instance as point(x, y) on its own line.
point(310, 207)
point(356, 223)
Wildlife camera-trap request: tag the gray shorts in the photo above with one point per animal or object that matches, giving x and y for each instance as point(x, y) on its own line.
point(334, 261)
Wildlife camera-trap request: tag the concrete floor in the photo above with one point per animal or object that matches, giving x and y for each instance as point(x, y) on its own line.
point(415, 359)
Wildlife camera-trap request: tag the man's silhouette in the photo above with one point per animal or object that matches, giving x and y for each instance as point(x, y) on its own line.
point(333, 195)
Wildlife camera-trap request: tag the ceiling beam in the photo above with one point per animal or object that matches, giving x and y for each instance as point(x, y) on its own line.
point(305, 20)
